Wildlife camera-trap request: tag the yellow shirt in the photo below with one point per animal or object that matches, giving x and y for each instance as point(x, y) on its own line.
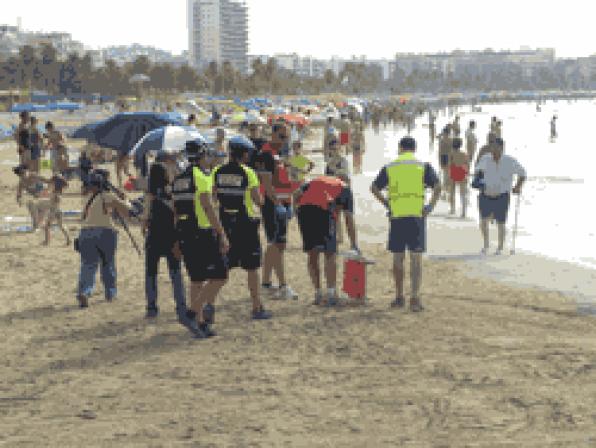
point(203, 184)
point(299, 163)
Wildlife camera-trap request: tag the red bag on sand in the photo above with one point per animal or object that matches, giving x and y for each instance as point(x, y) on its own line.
point(457, 173)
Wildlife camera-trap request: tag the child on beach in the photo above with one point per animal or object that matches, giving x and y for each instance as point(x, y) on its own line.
point(48, 209)
point(300, 165)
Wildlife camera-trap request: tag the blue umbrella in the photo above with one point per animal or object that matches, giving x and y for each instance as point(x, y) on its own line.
point(122, 131)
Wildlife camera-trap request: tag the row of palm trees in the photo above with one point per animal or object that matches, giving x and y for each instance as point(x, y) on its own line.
point(40, 68)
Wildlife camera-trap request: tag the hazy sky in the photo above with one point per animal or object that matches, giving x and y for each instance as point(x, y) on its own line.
point(321, 28)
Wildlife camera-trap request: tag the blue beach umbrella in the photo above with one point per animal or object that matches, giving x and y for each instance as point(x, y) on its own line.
point(122, 131)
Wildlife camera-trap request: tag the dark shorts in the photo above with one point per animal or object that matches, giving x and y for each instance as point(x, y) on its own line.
point(318, 229)
point(497, 207)
point(407, 233)
point(202, 258)
point(245, 243)
point(444, 160)
point(276, 229)
point(35, 153)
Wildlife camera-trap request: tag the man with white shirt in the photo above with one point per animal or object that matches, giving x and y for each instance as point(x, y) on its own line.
point(496, 171)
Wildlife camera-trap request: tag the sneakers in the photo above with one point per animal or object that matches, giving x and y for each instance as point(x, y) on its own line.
point(261, 314)
point(318, 298)
point(209, 314)
point(398, 303)
point(498, 251)
point(200, 331)
point(484, 251)
point(286, 293)
point(415, 305)
point(332, 301)
point(83, 301)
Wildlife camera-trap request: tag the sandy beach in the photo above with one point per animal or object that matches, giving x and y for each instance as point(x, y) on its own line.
point(487, 364)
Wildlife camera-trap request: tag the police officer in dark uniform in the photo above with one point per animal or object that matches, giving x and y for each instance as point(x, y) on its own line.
point(237, 189)
point(201, 238)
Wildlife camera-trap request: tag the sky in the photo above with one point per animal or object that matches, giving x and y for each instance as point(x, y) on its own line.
point(323, 28)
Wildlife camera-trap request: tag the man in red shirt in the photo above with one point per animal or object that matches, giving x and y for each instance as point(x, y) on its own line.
point(276, 210)
point(319, 203)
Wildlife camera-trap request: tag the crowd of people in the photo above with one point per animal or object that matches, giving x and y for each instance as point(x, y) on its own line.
point(207, 215)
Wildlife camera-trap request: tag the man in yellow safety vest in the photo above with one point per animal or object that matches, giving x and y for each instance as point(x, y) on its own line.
point(406, 179)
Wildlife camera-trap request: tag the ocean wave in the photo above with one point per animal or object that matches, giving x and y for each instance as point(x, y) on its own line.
point(555, 179)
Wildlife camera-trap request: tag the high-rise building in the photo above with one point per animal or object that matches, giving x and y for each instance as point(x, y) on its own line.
point(218, 32)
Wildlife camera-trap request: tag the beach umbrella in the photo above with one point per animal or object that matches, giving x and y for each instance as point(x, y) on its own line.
point(167, 139)
point(122, 131)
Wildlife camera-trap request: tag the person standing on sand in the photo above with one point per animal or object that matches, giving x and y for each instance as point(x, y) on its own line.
point(345, 133)
point(496, 171)
point(445, 148)
point(493, 125)
point(22, 138)
point(431, 127)
point(328, 132)
point(487, 149)
point(471, 140)
point(97, 241)
point(318, 204)
point(358, 146)
point(299, 164)
point(236, 187)
point(276, 212)
point(406, 179)
point(499, 129)
point(553, 127)
point(35, 142)
point(458, 173)
point(456, 127)
point(49, 209)
point(160, 237)
point(201, 239)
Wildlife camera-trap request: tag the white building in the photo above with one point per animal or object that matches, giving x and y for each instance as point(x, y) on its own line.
point(217, 32)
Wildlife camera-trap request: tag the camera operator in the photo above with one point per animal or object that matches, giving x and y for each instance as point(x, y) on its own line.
point(97, 240)
point(158, 225)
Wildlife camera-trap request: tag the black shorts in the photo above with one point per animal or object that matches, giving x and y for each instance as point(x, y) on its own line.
point(444, 160)
point(318, 229)
point(245, 243)
point(202, 257)
point(276, 229)
point(407, 233)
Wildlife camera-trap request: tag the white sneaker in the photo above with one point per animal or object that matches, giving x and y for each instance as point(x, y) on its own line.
point(286, 293)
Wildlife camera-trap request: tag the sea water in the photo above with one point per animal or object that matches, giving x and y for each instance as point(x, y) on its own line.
point(555, 218)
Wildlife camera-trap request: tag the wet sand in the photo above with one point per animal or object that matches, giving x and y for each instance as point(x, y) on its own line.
point(486, 365)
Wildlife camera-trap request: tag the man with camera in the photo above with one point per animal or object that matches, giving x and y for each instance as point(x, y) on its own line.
point(97, 241)
point(202, 241)
point(160, 233)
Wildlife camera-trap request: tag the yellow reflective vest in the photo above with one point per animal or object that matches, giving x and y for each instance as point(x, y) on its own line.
point(406, 186)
